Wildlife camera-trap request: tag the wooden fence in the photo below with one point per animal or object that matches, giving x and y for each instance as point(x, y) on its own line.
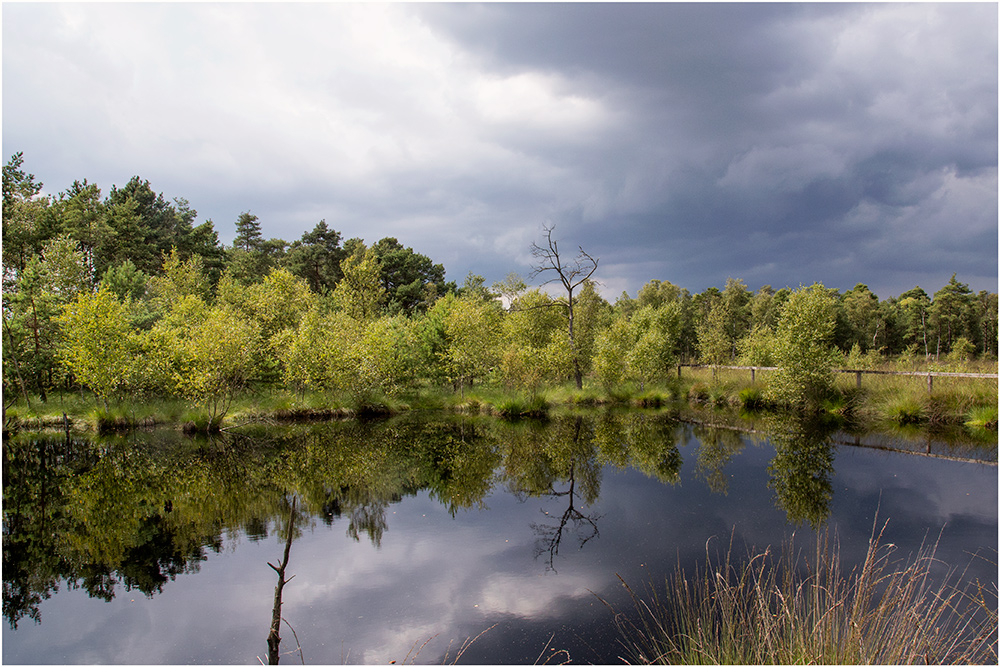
point(930, 375)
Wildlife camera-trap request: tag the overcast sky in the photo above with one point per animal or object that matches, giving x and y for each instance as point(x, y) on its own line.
point(782, 144)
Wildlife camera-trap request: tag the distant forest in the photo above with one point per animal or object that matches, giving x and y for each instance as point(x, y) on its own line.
point(124, 292)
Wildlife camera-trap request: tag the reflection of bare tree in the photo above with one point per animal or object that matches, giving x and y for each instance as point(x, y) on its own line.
point(274, 636)
point(550, 537)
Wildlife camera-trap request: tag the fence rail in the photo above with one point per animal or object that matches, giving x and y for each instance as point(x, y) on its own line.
point(856, 442)
point(930, 375)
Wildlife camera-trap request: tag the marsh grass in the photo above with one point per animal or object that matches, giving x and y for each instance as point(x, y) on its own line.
point(781, 611)
point(515, 407)
point(904, 410)
point(983, 417)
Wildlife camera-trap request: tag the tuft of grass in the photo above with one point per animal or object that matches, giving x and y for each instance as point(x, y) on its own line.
point(718, 396)
point(753, 399)
point(905, 410)
point(516, 407)
point(769, 611)
point(698, 393)
point(984, 417)
point(590, 398)
point(652, 399)
point(109, 420)
point(201, 422)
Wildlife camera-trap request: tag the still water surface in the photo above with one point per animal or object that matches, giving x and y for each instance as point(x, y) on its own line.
point(415, 534)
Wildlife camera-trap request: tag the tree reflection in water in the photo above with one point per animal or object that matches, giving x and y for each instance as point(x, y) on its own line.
point(139, 511)
point(802, 469)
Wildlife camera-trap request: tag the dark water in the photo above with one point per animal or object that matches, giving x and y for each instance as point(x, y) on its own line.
point(412, 535)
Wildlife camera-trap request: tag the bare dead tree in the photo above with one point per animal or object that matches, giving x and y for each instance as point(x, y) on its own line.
point(273, 635)
point(571, 275)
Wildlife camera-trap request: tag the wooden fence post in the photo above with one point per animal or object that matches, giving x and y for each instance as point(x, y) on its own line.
point(930, 383)
point(859, 379)
point(753, 374)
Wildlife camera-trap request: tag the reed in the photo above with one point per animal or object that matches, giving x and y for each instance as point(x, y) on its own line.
point(771, 611)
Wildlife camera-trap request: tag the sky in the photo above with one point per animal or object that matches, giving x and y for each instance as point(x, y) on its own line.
point(780, 144)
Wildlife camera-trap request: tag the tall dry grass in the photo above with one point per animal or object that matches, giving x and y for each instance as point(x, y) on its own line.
point(770, 611)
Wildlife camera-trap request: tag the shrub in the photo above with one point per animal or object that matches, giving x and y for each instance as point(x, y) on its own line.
point(803, 348)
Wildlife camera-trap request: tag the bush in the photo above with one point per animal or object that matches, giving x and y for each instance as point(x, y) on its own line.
point(803, 348)
point(962, 350)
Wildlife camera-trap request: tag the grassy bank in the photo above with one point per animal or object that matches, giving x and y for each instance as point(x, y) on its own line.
point(882, 400)
point(771, 610)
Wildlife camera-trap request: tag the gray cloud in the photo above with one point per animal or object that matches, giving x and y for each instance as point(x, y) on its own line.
point(780, 143)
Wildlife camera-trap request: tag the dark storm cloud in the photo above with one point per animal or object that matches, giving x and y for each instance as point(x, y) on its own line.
point(777, 143)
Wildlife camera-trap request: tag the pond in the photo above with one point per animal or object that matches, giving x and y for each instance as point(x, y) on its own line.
point(410, 536)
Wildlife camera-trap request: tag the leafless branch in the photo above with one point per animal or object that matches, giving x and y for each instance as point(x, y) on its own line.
point(549, 258)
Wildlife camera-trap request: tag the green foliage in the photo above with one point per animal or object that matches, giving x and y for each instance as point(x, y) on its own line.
point(982, 417)
point(316, 258)
point(962, 350)
point(757, 347)
point(641, 348)
point(248, 236)
point(948, 313)
point(125, 281)
point(713, 344)
point(752, 398)
point(180, 278)
point(217, 358)
point(149, 254)
point(803, 349)
point(592, 314)
point(65, 268)
point(411, 281)
point(360, 293)
point(536, 347)
point(861, 310)
point(472, 329)
point(611, 350)
point(517, 407)
point(302, 352)
point(99, 348)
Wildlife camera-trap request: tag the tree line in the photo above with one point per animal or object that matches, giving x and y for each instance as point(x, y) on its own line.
point(126, 295)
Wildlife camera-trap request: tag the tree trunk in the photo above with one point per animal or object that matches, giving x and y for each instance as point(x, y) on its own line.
point(274, 636)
